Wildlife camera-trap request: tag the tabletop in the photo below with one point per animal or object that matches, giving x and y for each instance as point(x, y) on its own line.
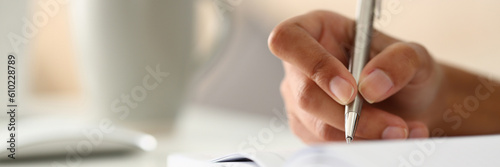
point(199, 130)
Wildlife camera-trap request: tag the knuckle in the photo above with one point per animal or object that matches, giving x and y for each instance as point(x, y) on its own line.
point(418, 48)
point(320, 69)
point(422, 54)
point(323, 130)
point(283, 32)
point(408, 54)
point(278, 37)
point(305, 96)
point(425, 62)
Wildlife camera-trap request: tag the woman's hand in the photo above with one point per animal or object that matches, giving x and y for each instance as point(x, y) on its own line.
point(404, 87)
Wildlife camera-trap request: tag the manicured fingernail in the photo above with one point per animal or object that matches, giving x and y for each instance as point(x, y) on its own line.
point(342, 89)
point(419, 133)
point(394, 132)
point(375, 85)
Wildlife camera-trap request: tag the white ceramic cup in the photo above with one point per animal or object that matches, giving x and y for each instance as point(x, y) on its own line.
point(137, 57)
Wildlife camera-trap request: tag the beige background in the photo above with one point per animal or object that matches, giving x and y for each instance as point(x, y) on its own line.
point(466, 33)
point(459, 32)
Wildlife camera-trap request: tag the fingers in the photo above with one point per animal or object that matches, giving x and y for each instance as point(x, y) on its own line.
point(316, 44)
point(301, 131)
point(305, 126)
point(392, 69)
point(296, 42)
point(315, 131)
point(318, 127)
point(325, 118)
point(418, 130)
point(317, 83)
point(298, 128)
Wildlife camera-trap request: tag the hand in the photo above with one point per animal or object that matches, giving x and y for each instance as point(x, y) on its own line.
point(401, 82)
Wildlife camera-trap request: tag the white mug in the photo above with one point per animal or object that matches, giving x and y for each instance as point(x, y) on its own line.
point(137, 56)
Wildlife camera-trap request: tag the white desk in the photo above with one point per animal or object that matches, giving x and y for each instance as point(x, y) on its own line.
point(199, 130)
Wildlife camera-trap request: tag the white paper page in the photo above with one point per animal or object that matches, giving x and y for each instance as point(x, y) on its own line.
point(451, 151)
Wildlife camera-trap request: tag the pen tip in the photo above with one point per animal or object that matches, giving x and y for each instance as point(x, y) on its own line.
point(348, 139)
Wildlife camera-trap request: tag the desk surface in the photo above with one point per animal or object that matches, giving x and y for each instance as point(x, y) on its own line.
point(200, 130)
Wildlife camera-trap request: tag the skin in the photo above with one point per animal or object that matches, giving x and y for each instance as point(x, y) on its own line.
point(408, 94)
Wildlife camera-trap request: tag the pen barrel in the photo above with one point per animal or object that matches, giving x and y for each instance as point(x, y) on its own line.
point(364, 24)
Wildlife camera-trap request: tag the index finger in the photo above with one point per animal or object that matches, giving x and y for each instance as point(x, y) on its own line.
point(296, 41)
point(316, 44)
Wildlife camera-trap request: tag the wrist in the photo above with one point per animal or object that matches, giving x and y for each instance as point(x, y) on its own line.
point(469, 104)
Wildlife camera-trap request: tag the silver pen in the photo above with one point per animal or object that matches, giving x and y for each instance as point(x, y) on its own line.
point(364, 26)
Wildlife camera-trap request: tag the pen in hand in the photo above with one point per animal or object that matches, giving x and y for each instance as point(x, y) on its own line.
point(364, 26)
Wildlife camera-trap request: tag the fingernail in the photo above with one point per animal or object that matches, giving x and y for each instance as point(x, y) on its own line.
point(393, 132)
point(342, 89)
point(419, 133)
point(375, 85)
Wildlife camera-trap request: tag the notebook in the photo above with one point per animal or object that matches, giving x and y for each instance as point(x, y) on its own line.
point(448, 151)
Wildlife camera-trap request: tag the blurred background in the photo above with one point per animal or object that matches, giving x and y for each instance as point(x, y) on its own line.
point(247, 77)
point(243, 81)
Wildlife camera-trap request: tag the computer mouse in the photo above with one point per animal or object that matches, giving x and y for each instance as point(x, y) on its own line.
point(66, 136)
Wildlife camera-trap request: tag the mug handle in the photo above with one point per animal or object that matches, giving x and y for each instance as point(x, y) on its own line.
point(204, 60)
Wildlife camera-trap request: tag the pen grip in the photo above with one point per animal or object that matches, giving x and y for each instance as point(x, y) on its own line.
point(364, 24)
